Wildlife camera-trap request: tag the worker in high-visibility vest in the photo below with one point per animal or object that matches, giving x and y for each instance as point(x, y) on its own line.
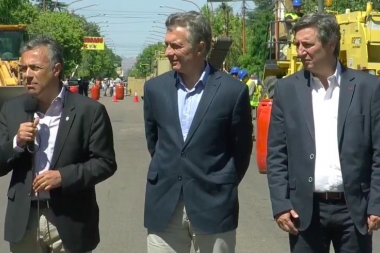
point(252, 86)
point(292, 17)
point(296, 13)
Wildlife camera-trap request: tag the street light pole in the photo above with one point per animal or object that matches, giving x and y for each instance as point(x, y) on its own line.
point(73, 2)
point(99, 15)
point(192, 3)
point(173, 8)
point(84, 7)
point(156, 26)
point(157, 32)
point(321, 6)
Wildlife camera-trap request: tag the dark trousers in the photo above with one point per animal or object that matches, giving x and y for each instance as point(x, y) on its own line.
point(331, 223)
point(85, 91)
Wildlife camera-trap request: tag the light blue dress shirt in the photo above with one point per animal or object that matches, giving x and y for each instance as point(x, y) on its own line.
point(188, 100)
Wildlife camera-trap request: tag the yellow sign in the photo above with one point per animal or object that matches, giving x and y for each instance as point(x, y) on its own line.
point(93, 43)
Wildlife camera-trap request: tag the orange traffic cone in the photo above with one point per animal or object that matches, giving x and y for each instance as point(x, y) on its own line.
point(114, 99)
point(136, 98)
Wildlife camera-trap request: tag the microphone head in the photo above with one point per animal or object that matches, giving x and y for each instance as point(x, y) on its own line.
point(30, 105)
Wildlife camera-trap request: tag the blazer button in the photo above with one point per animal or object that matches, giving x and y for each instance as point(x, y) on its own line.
point(179, 178)
point(310, 179)
point(183, 154)
point(312, 156)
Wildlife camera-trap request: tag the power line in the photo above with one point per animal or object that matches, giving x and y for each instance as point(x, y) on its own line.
point(135, 12)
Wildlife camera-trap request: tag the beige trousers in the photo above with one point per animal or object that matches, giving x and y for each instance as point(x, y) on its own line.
point(44, 239)
point(179, 235)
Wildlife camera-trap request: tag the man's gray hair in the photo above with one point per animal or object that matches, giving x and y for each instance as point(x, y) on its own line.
point(198, 26)
point(327, 28)
point(55, 51)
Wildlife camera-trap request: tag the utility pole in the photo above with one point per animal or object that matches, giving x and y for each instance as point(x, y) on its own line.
point(321, 6)
point(226, 17)
point(243, 25)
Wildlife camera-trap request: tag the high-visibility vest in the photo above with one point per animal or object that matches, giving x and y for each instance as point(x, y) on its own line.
point(294, 16)
point(256, 96)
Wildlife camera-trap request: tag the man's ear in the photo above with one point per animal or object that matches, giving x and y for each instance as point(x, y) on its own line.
point(57, 69)
point(201, 47)
point(332, 45)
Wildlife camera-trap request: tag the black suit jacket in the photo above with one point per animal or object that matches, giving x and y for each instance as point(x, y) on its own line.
point(208, 166)
point(84, 156)
point(291, 145)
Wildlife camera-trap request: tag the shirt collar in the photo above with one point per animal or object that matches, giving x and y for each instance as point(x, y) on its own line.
point(202, 79)
point(334, 77)
point(61, 95)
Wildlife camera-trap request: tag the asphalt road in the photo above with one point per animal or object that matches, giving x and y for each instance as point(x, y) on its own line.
point(121, 197)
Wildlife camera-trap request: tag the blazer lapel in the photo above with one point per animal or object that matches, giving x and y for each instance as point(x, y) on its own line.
point(172, 92)
point(67, 119)
point(346, 92)
point(304, 90)
point(211, 87)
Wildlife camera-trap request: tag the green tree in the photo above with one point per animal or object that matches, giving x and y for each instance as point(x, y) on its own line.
point(225, 23)
point(68, 29)
point(99, 63)
point(102, 63)
point(50, 5)
point(142, 66)
point(16, 11)
point(258, 24)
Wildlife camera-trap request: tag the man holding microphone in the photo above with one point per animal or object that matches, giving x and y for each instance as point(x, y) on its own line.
point(51, 197)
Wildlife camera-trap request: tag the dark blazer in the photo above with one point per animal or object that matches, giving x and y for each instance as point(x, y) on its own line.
point(83, 154)
point(209, 165)
point(291, 146)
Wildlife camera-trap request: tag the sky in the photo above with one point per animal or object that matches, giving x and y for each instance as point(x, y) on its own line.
point(128, 26)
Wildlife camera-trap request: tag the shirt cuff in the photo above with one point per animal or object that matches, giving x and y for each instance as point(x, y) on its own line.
point(15, 147)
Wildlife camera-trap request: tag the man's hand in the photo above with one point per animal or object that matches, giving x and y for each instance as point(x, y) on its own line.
point(373, 222)
point(27, 133)
point(284, 221)
point(47, 180)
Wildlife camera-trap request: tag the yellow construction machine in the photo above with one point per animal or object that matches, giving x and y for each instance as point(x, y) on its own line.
point(282, 56)
point(359, 46)
point(360, 39)
point(12, 38)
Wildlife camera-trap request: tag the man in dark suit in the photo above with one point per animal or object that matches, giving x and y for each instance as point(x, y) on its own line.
point(86, 83)
point(324, 147)
point(199, 135)
point(73, 152)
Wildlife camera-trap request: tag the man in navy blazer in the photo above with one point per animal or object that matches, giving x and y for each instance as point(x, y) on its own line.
point(199, 134)
point(324, 146)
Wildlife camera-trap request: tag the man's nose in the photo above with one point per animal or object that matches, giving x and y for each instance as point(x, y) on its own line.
point(28, 73)
point(301, 52)
point(168, 51)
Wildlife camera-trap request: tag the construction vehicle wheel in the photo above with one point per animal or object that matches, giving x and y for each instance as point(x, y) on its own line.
point(268, 86)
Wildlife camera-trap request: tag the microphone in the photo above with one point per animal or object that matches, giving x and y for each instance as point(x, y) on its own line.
point(30, 107)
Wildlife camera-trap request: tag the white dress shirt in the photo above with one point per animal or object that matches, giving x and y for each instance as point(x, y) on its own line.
point(328, 174)
point(47, 133)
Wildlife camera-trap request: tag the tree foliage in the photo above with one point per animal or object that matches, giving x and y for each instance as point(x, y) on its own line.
point(143, 64)
point(51, 18)
point(50, 5)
